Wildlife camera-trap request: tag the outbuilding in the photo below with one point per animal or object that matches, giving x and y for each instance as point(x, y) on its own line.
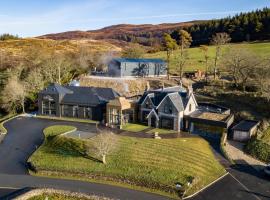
point(244, 130)
point(127, 67)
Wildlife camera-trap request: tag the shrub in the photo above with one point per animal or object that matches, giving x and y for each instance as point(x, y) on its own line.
point(259, 149)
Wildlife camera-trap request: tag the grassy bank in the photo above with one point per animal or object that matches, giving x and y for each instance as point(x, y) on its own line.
point(3, 120)
point(196, 57)
point(69, 119)
point(152, 165)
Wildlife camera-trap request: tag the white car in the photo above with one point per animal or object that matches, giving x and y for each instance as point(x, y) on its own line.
point(267, 170)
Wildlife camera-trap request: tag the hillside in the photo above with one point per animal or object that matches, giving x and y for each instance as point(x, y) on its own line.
point(19, 46)
point(116, 31)
point(196, 57)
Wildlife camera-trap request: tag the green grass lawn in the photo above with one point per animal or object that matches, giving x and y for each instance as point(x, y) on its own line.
point(196, 57)
point(57, 197)
point(147, 164)
point(161, 131)
point(68, 119)
point(134, 127)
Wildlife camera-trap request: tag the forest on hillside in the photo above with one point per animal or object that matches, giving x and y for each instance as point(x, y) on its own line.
point(250, 26)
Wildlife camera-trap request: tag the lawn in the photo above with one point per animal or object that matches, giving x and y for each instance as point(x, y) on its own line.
point(63, 196)
point(162, 131)
point(147, 164)
point(58, 197)
point(196, 57)
point(134, 127)
point(68, 119)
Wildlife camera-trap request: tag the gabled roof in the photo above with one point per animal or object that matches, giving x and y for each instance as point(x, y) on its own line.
point(246, 125)
point(81, 95)
point(177, 95)
point(139, 60)
point(55, 88)
point(177, 101)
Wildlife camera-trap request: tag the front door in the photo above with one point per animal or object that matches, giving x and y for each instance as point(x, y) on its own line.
point(153, 122)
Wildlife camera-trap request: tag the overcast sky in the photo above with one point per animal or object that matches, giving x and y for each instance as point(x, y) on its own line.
point(36, 17)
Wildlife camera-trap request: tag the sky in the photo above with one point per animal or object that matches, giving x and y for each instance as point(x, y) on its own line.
point(30, 18)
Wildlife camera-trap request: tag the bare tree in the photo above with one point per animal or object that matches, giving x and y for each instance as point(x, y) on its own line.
point(219, 39)
point(13, 95)
point(240, 64)
point(170, 45)
point(185, 40)
point(204, 49)
point(262, 78)
point(104, 144)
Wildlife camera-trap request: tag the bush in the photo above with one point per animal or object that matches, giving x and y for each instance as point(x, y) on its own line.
point(259, 150)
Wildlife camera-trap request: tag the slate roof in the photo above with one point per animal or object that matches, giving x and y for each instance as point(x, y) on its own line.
point(55, 88)
point(178, 96)
point(245, 125)
point(177, 101)
point(81, 95)
point(139, 60)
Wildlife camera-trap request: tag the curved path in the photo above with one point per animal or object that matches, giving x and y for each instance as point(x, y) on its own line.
point(24, 136)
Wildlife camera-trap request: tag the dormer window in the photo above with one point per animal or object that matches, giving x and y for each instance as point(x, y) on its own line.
point(147, 104)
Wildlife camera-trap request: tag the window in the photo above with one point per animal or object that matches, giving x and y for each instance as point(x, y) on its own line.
point(190, 107)
point(168, 109)
point(147, 104)
point(88, 112)
point(49, 107)
point(76, 111)
point(114, 116)
point(167, 123)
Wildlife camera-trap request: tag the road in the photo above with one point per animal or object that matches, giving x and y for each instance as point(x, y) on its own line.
point(25, 135)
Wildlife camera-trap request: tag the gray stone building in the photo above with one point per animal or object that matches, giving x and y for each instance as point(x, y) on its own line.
point(126, 67)
point(76, 102)
point(176, 108)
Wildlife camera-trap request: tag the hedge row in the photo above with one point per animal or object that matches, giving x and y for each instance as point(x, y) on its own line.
point(259, 149)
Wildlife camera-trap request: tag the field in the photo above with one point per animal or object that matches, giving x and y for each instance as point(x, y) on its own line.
point(20, 46)
point(147, 164)
point(196, 57)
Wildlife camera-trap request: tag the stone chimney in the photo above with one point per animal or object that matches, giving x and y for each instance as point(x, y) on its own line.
point(189, 90)
point(163, 85)
point(147, 86)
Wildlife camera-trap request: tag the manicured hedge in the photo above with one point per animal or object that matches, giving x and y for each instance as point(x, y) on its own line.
point(259, 149)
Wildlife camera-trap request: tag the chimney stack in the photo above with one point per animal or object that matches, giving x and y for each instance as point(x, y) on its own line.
point(189, 90)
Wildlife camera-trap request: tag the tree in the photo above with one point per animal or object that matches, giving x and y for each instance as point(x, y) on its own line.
point(104, 144)
point(170, 45)
point(185, 40)
point(13, 95)
point(262, 78)
point(240, 64)
point(219, 39)
point(204, 49)
point(133, 51)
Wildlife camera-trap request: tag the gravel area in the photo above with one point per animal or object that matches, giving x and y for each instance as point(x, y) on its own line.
point(235, 151)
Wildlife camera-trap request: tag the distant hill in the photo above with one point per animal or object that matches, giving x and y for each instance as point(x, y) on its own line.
point(249, 26)
point(113, 32)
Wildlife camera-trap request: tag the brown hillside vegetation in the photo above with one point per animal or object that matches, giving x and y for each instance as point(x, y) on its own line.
point(20, 46)
point(111, 32)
